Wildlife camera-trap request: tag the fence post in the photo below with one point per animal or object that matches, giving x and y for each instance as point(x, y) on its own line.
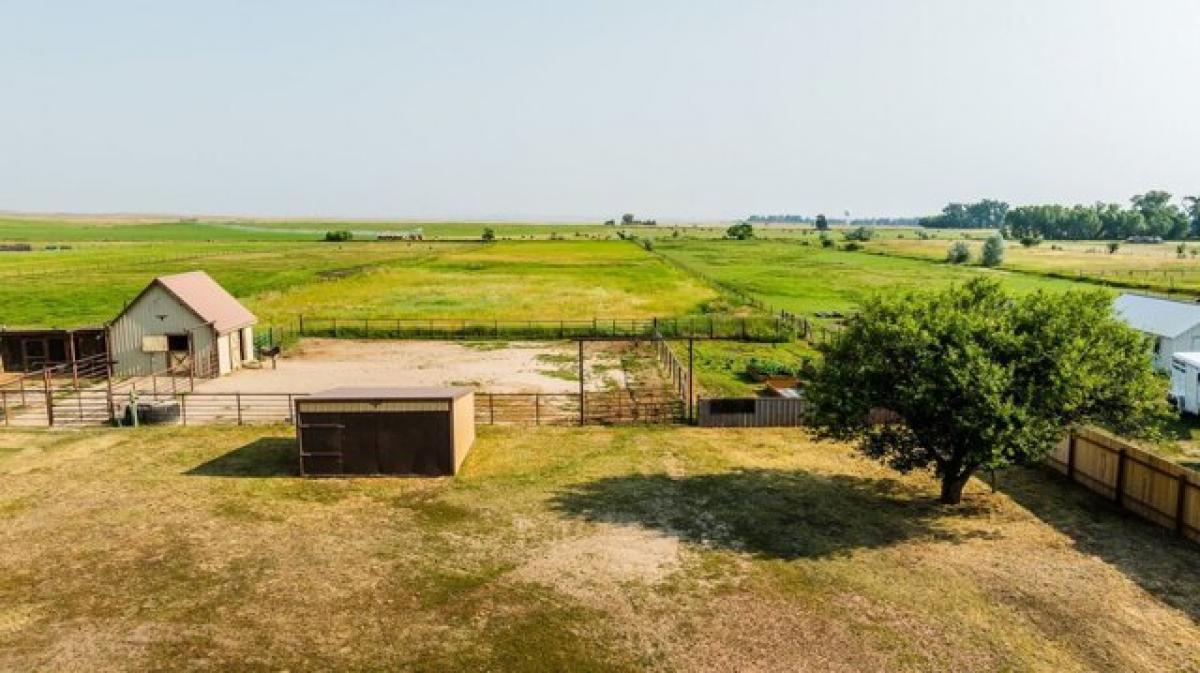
point(301, 324)
point(537, 409)
point(49, 398)
point(1071, 454)
point(1119, 496)
point(238, 402)
point(291, 416)
point(491, 408)
point(4, 406)
point(581, 393)
point(183, 410)
point(1180, 509)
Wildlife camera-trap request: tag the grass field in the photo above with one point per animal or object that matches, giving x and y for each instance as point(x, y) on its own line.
point(560, 280)
point(808, 278)
point(566, 549)
point(1158, 267)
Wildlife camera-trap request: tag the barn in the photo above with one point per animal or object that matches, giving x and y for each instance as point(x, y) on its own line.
point(1174, 325)
point(32, 350)
point(406, 431)
point(180, 323)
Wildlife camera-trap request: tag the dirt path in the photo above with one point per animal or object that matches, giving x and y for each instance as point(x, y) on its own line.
point(320, 364)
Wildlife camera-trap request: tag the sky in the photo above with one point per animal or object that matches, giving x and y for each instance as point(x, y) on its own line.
point(585, 110)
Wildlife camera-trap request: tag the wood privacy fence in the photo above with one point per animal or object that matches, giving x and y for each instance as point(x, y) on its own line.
point(1145, 484)
point(755, 328)
point(750, 412)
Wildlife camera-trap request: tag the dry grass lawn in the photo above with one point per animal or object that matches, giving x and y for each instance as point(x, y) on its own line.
point(566, 549)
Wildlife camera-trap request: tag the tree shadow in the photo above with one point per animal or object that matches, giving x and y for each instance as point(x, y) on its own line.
point(769, 513)
point(264, 457)
point(1155, 558)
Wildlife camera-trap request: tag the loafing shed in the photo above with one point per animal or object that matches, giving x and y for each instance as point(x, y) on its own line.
point(402, 431)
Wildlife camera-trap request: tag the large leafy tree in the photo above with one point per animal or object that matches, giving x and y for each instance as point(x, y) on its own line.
point(972, 378)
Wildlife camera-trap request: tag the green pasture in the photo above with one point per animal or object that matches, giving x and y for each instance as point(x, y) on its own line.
point(808, 278)
point(90, 283)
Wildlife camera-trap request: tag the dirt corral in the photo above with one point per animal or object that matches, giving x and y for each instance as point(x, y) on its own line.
point(526, 367)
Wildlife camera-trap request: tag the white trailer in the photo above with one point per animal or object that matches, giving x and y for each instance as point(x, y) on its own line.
point(1185, 382)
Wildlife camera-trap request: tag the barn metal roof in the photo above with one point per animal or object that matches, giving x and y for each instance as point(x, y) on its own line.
point(1161, 317)
point(199, 292)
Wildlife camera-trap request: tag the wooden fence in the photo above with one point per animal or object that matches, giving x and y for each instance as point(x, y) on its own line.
point(680, 375)
point(750, 412)
point(1145, 484)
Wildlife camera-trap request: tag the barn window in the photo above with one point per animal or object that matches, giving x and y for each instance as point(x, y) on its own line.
point(177, 343)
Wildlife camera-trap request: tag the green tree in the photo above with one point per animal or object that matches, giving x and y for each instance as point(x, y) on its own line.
point(958, 253)
point(974, 378)
point(1161, 217)
point(627, 219)
point(1191, 206)
point(993, 251)
point(822, 223)
point(740, 231)
point(489, 234)
point(860, 234)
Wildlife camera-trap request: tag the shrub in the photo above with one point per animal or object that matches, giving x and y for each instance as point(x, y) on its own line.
point(489, 234)
point(993, 251)
point(740, 231)
point(1030, 241)
point(826, 242)
point(852, 246)
point(648, 244)
point(958, 253)
point(339, 236)
point(860, 234)
point(1113, 247)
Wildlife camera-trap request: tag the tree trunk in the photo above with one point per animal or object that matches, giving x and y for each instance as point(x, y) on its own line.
point(952, 486)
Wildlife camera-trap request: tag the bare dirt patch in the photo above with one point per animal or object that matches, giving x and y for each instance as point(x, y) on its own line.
point(525, 367)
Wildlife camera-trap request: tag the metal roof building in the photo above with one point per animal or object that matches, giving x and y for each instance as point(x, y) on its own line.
point(182, 322)
point(1174, 324)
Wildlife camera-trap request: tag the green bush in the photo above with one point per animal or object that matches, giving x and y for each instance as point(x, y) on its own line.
point(993, 251)
point(339, 236)
point(958, 253)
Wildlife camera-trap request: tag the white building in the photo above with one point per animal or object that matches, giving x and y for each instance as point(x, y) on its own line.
point(1175, 325)
point(1185, 382)
point(179, 323)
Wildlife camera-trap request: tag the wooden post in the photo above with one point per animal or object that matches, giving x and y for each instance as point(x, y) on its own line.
point(301, 324)
point(74, 363)
point(491, 408)
point(183, 410)
point(1120, 490)
point(581, 393)
point(1180, 505)
point(238, 400)
point(49, 398)
point(537, 409)
point(367, 327)
point(112, 406)
point(1071, 454)
point(4, 406)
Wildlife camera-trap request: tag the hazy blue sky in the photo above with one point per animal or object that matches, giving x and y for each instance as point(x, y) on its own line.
point(686, 109)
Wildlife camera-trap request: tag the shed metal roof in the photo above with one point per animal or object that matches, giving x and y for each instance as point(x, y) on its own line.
point(415, 393)
point(1192, 359)
point(1161, 317)
point(203, 295)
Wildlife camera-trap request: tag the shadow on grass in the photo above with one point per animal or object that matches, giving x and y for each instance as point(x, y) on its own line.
point(770, 513)
point(1159, 561)
point(265, 457)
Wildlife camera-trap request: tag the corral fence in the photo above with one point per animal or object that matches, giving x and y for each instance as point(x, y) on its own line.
point(70, 407)
point(681, 376)
point(750, 412)
point(1155, 489)
point(755, 328)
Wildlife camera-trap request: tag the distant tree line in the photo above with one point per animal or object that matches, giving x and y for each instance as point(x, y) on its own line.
point(1153, 214)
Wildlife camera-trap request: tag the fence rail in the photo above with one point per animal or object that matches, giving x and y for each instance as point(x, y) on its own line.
point(1153, 488)
point(757, 328)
